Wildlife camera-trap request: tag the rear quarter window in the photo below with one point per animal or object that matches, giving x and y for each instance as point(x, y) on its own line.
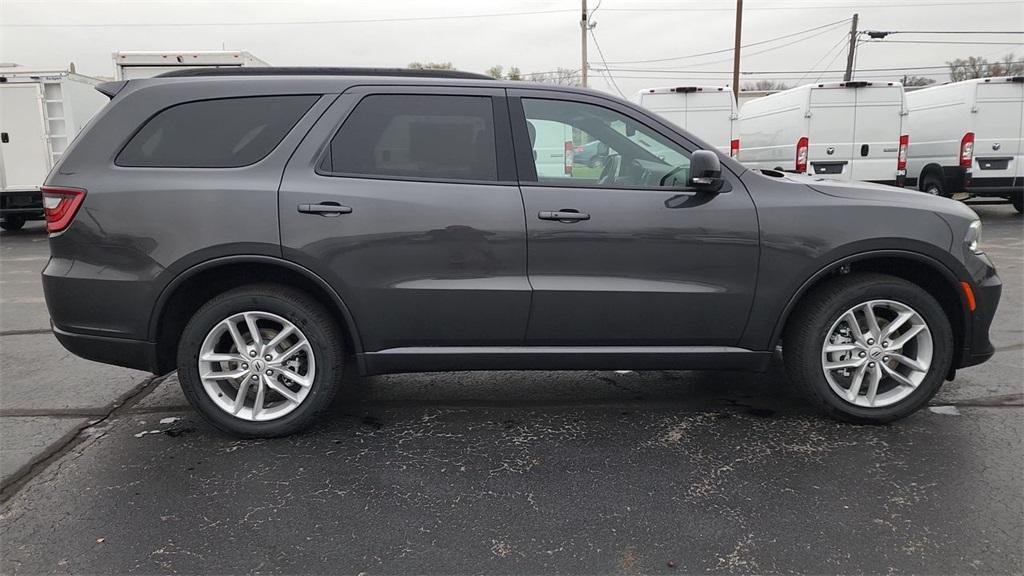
point(223, 133)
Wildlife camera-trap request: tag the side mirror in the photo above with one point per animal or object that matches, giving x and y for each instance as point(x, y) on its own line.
point(706, 171)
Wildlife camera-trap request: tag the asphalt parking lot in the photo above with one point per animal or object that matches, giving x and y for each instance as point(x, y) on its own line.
point(106, 470)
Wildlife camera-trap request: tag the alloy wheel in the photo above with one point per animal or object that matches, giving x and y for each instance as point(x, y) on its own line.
point(877, 353)
point(256, 366)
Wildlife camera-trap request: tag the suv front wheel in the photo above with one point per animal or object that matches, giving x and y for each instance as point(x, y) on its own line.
point(868, 348)
point(260, 360)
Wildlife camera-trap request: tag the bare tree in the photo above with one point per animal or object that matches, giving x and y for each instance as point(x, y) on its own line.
point(915, 81)
point(431, 66)
point(514, 74)
point(1010, 66)
point(496, 71)
point(562, 76)
point(764, 86)
point(978, 67)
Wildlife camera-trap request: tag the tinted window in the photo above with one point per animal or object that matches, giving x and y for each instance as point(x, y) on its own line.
point(583, 144)
point(415, 136)
point(223, 133)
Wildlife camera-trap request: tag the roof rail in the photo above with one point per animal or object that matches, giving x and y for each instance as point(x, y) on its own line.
point(321, 71)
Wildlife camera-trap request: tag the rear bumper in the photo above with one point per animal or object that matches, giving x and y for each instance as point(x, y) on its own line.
point(28, 203)
point(135, 354)
point(1002, 187)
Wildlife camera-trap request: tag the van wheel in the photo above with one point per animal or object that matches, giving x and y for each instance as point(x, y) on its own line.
point(260, 360)
point(11, 223)
point(932, 184)
point(1018, 203)
point(868, 348)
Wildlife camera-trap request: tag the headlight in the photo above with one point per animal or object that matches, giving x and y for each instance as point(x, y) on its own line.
point(973, 239)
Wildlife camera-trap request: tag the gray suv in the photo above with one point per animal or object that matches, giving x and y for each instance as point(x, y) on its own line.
point(261, 229)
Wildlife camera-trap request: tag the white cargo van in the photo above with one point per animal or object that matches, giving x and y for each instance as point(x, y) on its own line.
point(966, 137)
point(708, 112)
point(40, 113)
point(129, 64)
point(839, 130)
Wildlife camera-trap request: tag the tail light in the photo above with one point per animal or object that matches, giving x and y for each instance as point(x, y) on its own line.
point(801, 154)
point(60, 206)
point(734, 148)
point(967, 150)
point(901, 159)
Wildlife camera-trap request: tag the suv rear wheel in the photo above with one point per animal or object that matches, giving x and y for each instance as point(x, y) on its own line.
point(869, 347)
point(260, 360)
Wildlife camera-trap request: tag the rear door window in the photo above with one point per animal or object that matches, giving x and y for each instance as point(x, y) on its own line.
point(224, 133)
point(414, 136)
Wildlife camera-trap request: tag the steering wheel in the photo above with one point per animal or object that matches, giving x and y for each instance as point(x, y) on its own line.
point(611, 170)
point(669, 174)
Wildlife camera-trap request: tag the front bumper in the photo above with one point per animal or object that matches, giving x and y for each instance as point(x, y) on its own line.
point(978, 348)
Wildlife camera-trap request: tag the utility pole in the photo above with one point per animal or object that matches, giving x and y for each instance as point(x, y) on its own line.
point(852, 51)
point(583, 43)
point(736, 51)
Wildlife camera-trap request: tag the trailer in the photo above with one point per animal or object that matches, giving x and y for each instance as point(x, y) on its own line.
point(40, 114)
point(967, 137)
point(129, 64)
point(838, 130)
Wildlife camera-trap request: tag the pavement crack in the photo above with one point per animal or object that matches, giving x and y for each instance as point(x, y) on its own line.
point(56, 451)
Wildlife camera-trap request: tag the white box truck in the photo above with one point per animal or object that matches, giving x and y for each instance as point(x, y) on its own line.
point(40, 113)
point(966, 137)
point(838, 130)
point(708, 112)
point(129, 64)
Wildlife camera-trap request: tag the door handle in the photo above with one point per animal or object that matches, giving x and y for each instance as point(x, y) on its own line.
point(563, 215)
point(325, 209)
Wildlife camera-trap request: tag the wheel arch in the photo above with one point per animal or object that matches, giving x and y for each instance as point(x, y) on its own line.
point(931, 169)
point(179, 300)
point(922, 270)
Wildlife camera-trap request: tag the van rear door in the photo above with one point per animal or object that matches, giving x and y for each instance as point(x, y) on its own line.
point(831, 132)
point(709, 116)
point(997, 133)
point(24, 153)
point(878, 127)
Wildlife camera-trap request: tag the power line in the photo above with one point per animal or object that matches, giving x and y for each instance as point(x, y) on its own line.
point(943, 42)
point(768, 41)
point(842, 40)
point(287, 22)
point(945, 32)
point(852, 69)
point(601, 54)
point(813, 7)
point(756, 52)
point(755, 72)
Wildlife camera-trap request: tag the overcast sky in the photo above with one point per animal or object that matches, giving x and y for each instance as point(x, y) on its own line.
point(477, 34)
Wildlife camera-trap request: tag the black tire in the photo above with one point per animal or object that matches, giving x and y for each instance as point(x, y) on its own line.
point(932, 184)
point(309, 316)
point(12, 223)
point(1018, 203)
point(809, 325)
